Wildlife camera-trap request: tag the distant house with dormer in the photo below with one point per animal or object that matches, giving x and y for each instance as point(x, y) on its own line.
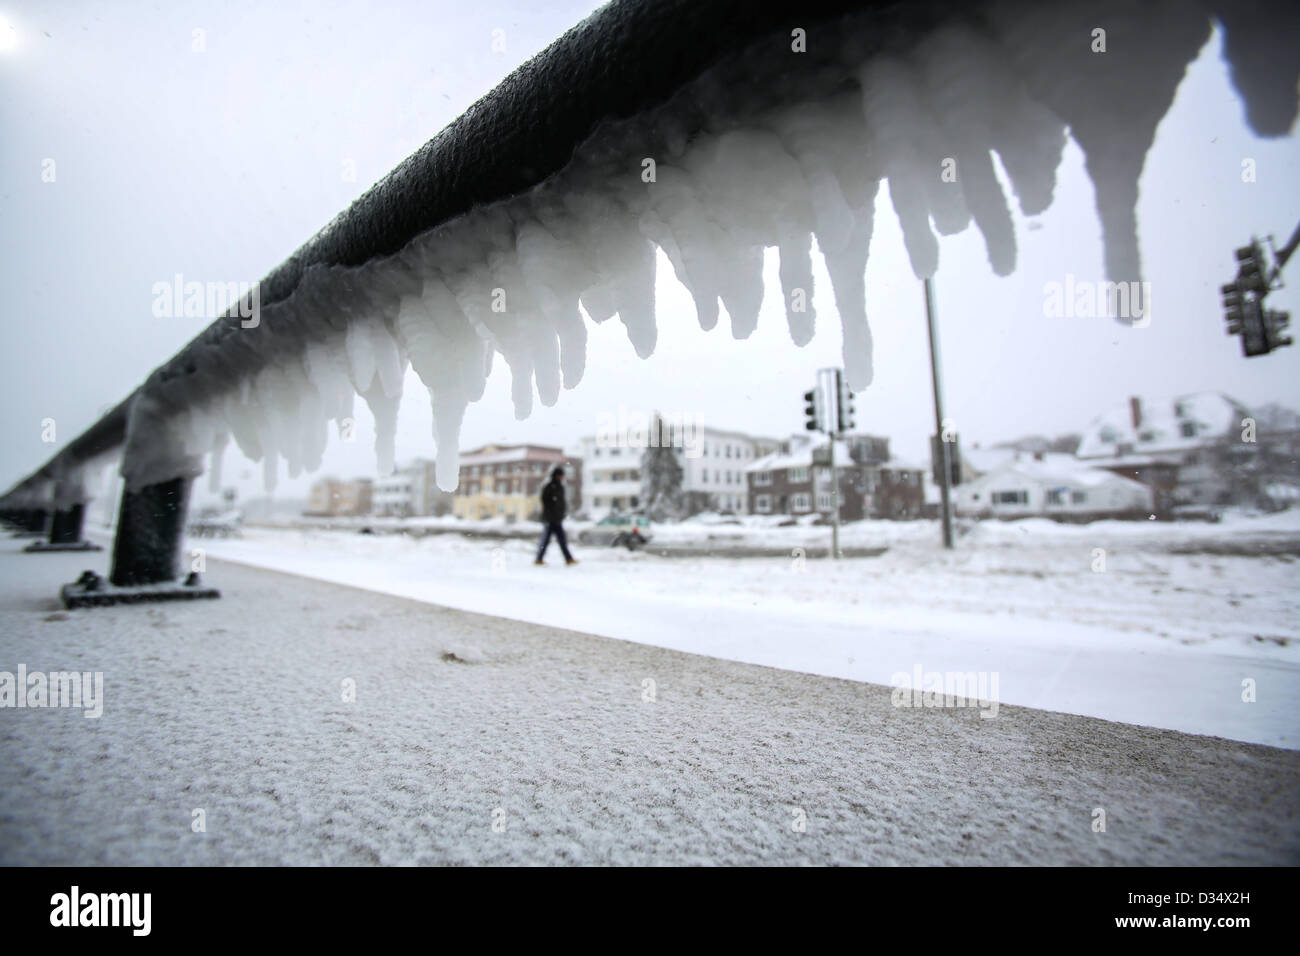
point(1168, 444)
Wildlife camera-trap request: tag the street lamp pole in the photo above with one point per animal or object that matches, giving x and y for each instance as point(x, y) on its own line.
point(945, 467)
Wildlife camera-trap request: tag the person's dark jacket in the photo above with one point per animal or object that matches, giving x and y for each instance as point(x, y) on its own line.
point(554, 507)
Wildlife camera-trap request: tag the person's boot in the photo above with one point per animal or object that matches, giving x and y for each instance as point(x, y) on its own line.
point(539, 561)
point(570, 560)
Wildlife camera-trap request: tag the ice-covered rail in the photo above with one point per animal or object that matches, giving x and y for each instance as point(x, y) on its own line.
point(709, 131)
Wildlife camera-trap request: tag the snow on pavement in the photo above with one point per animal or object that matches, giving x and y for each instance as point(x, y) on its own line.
point(1156, 638)
point(234, 707)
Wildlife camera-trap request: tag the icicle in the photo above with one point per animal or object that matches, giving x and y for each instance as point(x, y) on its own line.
point(545, 262)
point(892, 128)
point(384, 408)
point(219, 442)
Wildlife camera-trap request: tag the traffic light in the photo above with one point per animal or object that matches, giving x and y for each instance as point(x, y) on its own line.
point(813, 410)
point(1261, 331)
point(936, 460)
point(844, 399)
point(1241, 311)
point(1232, 311)
point(1250, 271)
point(1274, 324)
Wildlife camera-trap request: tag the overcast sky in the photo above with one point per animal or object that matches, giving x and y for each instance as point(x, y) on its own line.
point(217, 163)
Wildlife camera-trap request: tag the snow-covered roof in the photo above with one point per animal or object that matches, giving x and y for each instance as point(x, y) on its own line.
point(799, 456)
point(522, 453)
point(901, 464)
point(987, 459)
point(1056, 470)
point(1164, 424)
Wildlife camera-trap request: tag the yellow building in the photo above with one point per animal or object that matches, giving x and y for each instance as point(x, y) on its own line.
point(504, 481)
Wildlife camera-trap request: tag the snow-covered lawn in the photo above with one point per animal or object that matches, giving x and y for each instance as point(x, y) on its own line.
point(1139, 633)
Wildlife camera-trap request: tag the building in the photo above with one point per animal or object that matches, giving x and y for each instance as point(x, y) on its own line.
point(796, 480)
point(713, 463)
point(715, 479)
point(506, 480)
point(411, 490)
point(331, 497)
point(895, 489)
point(1053, 486)
point(1166, 444)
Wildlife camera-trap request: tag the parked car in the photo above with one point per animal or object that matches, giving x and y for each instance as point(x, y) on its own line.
point(1209, 513)
point(629, 531)
point(212, 523)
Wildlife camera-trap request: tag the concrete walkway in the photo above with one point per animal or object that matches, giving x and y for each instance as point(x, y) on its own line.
point(478, 740)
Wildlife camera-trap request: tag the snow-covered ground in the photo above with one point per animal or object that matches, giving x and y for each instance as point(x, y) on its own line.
point(296, 722)
point(1161, 629)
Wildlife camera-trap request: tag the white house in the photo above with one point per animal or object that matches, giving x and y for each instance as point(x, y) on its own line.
point(713, 465)
point(1051, 486)
point(409, 490)
point(1155, 426)
point(1169, 444)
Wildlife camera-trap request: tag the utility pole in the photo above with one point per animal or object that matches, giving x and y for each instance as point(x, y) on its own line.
point(945, 466)
point(835, 478)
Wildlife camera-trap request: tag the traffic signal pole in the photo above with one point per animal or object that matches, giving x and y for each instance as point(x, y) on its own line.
point(945, 476)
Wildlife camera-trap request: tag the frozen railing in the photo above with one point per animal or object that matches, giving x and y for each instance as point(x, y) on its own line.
point(708, 131)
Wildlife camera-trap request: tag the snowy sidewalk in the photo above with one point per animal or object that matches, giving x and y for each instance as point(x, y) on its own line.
point(1159, 639)
point(236, 708)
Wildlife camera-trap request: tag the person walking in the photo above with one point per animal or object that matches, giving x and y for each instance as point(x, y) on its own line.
point(554, 510)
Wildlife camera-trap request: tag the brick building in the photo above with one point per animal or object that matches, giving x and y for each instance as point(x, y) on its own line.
point(505, 481)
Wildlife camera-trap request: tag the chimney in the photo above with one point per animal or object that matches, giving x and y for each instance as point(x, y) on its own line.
point(1135, 408)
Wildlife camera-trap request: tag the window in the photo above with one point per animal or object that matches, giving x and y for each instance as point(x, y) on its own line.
point(1011, 497)
point(706, 448)
point(596, 453)
point(763, 504)
point(1188, 429)
point(728, 451)
point(798, 474)
point(717, 477)
point(1078, 497)
point(799, 503)
point(762, 477)
point(1056, 496)
point(704, 476)
point(824, 502)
